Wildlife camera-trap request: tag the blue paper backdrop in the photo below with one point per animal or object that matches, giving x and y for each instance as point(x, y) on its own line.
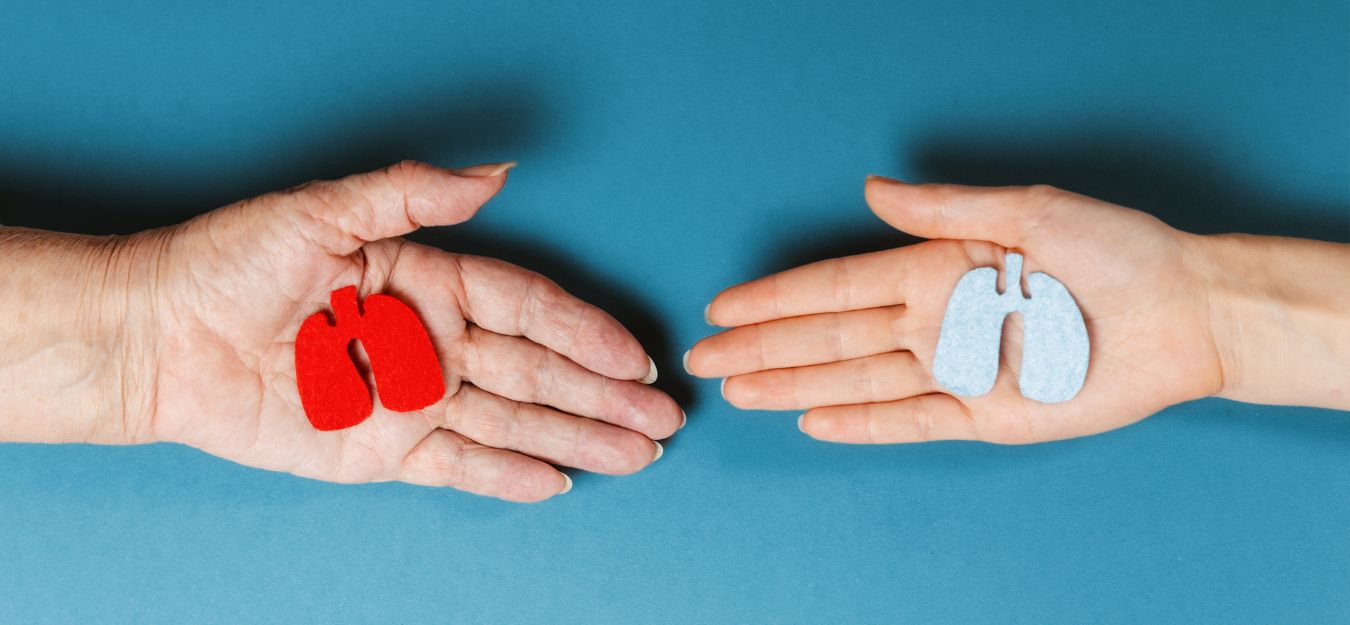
point(668, 151)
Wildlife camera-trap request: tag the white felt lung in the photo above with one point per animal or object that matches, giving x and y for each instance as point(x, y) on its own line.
point(1055, 344)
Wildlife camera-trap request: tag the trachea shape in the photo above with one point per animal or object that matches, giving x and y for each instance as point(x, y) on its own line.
point(1055, 340)
point(333, 392)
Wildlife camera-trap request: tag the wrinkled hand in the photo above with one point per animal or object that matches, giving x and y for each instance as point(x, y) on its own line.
point(533, 375)
point(852, 339)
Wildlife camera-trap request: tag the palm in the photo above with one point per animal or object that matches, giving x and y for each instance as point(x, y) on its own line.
point(242, 279)
point(238, 333)
point(852, 340)
point(1149, 346)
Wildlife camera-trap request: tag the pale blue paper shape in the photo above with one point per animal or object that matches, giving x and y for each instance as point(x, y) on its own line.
point(1055, 341)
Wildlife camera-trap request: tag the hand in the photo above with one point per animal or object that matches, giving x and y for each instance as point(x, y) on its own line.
point(533, 375)
point(852, 339)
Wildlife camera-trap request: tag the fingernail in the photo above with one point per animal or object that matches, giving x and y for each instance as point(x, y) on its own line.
point(684, 420)
point(651, 372)
point(800, 420)
point(705, 314)
point(871, 177)
point(722, 390)
point(567, 484)
point(659, 451)
point(685, 361)
point(486, 170)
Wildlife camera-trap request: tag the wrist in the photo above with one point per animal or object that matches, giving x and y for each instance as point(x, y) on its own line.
point(1280, 318)
point(78, 346)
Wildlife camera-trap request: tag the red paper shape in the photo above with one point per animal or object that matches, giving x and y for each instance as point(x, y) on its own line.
point(333, 392)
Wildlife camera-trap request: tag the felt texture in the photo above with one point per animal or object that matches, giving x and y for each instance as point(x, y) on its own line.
point(669, 150)
point(1055, 342)
point(402, 358)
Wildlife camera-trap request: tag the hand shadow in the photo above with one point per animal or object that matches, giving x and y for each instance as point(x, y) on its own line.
point(448, 125)
point(1174, 182)
point(474, 123)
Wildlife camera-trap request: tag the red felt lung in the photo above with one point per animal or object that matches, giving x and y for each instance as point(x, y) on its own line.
point(333, 392)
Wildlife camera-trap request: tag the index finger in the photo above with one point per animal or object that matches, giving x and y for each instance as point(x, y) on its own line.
point(836, 285)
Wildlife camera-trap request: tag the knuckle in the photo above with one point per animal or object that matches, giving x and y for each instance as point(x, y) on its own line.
point(406, 171)
point(441, 466)
point(1004, 432)
point(1040, 193)
point(923, 425)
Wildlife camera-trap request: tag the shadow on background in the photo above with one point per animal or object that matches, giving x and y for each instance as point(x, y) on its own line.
point(535, 251)
point(439, 127)
point(1175, 182)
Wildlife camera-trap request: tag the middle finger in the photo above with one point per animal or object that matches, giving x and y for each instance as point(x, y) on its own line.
point(800, 341)
point(525, 371)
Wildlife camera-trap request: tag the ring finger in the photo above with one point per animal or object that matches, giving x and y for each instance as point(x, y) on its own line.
point(556, 437)
point(879, 378)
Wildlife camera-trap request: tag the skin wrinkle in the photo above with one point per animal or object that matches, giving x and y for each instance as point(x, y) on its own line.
point(320, 194)
point(257, 430)
point(923, 420)
point(407, 211)
point(269, 251)
point(604, 397)
point(473, 347)
point(1041, 212)
point(510, 425)
point(120, 259)
point(339, 462)
point(112, 267)
point(870, 422)
point(545, 383)
point(574, 445)
point(1157, 339)
point(1218, 315)
point(939, 216)
point(366, 216)
point(450, 412)
point(840, 282)
point(153, 298)
point(575, 330)
point(459, 291)
point(837, 333)
point(526, 300)
point(898, 317)
point(457, 461)
point(759, 342)
point(862, 386)
point(793, 388)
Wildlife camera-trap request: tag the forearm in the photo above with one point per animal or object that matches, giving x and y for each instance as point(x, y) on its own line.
point(1281, 317)
point(74, 338)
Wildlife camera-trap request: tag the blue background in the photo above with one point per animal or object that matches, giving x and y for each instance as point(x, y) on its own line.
point(667, 152)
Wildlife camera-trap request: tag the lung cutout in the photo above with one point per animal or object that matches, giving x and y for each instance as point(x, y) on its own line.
point(332, 391)
point(1055, 341)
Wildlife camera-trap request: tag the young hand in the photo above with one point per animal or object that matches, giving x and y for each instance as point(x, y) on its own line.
point(1170, 317)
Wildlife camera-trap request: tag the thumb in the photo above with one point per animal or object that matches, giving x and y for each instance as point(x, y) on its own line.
point(396, 200)
point(1002, 215)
